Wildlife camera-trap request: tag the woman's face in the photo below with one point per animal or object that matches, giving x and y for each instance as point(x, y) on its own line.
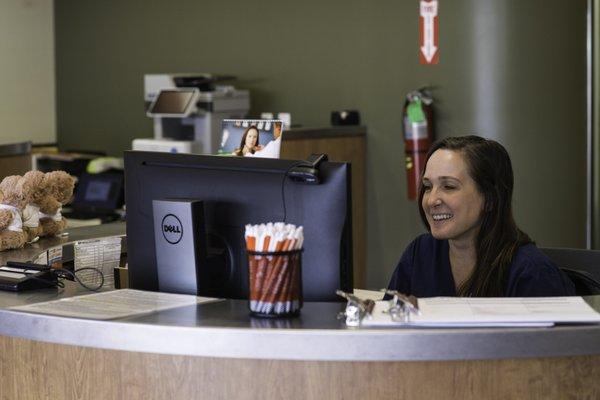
point(251, 138)
point(277, 130)
point(451, 201)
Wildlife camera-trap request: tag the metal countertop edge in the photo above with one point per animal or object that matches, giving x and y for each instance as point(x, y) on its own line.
point(307, 344)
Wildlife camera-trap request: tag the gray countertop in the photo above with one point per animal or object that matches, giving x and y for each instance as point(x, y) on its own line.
point(225, 329)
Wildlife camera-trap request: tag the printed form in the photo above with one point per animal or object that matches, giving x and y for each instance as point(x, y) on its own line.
point(103, 254)
point(114, 304)
point(507, 311)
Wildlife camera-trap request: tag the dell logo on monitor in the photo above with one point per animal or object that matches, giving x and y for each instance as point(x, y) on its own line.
point(172, 229)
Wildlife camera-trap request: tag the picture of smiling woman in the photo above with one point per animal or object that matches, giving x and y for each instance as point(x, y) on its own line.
point(474, 247)
point(249, 143)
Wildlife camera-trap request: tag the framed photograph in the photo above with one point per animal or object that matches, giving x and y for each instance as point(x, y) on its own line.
point(251, 137)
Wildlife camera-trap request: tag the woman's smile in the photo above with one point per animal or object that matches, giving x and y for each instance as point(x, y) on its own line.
point(441, 217)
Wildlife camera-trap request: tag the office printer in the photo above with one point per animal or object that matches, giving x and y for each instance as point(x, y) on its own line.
point(187, 110)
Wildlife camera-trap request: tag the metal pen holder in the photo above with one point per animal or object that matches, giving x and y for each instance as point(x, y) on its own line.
point(275, 280)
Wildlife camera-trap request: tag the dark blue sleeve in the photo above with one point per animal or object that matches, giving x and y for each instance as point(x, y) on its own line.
point(535, 275)
point(400, 280)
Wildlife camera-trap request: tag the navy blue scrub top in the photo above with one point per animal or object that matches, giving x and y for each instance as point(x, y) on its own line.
point(424, 271)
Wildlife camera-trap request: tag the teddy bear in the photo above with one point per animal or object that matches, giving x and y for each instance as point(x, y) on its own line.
point(15, 194)
point(31, 213)
point(60, 191)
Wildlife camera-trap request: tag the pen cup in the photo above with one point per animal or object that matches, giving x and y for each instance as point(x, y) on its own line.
point(275, 280)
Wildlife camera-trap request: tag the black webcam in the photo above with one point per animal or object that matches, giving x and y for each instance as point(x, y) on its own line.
point(308, 171)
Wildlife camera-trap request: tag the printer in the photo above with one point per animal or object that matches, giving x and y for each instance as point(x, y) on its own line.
point(187, 110)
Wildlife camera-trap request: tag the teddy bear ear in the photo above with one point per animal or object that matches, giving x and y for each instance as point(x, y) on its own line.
point(60, 176)
point(35, 179)
point(68, 180)
point(9, 183)
point(31, 182)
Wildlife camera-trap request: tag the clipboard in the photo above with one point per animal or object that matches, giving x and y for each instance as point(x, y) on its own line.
point(448, 312)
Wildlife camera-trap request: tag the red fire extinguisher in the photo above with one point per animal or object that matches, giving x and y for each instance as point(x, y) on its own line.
point(418, 136)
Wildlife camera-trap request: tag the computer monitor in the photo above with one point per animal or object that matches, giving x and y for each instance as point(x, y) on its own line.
point(237, 191)
point(101, 192)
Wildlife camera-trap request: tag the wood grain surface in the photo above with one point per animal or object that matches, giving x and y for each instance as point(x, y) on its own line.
point(36, 370)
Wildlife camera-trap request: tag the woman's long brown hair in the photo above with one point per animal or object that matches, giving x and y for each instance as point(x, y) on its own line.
point(240, 151)
point(499, 237)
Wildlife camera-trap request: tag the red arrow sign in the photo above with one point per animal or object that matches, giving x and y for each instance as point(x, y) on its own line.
point(428, 32)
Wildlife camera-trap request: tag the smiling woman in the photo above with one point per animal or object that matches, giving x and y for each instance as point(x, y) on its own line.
point(474, 247)
point(249, 143)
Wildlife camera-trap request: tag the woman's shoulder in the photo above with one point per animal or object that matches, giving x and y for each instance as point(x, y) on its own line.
point(529, 256)
point(535, 274)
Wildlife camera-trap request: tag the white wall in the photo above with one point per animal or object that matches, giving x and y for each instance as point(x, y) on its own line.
point(27, 79)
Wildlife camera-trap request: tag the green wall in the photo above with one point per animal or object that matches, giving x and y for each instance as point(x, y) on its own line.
point(511, 70)
point(27, 70)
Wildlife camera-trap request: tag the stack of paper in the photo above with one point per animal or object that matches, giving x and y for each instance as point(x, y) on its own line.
point(471, 311)
point(114, 304)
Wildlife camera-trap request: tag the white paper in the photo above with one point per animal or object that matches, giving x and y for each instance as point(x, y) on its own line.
point(103, 254)
point(42, 258)
point(506, 311)
point(114, 304)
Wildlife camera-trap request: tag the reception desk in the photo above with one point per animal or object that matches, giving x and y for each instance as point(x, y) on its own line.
point(218, 351)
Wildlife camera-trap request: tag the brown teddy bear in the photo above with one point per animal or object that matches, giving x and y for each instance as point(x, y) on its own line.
point(15, 194)
point(61, 186)
point(31, 213)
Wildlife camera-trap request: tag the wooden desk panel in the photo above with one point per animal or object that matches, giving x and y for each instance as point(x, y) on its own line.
point(36, 370)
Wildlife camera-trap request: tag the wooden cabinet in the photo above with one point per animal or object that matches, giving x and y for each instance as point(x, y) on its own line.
point(340, 144)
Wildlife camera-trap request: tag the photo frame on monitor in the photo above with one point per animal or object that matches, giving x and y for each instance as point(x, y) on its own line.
point(259, 138)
